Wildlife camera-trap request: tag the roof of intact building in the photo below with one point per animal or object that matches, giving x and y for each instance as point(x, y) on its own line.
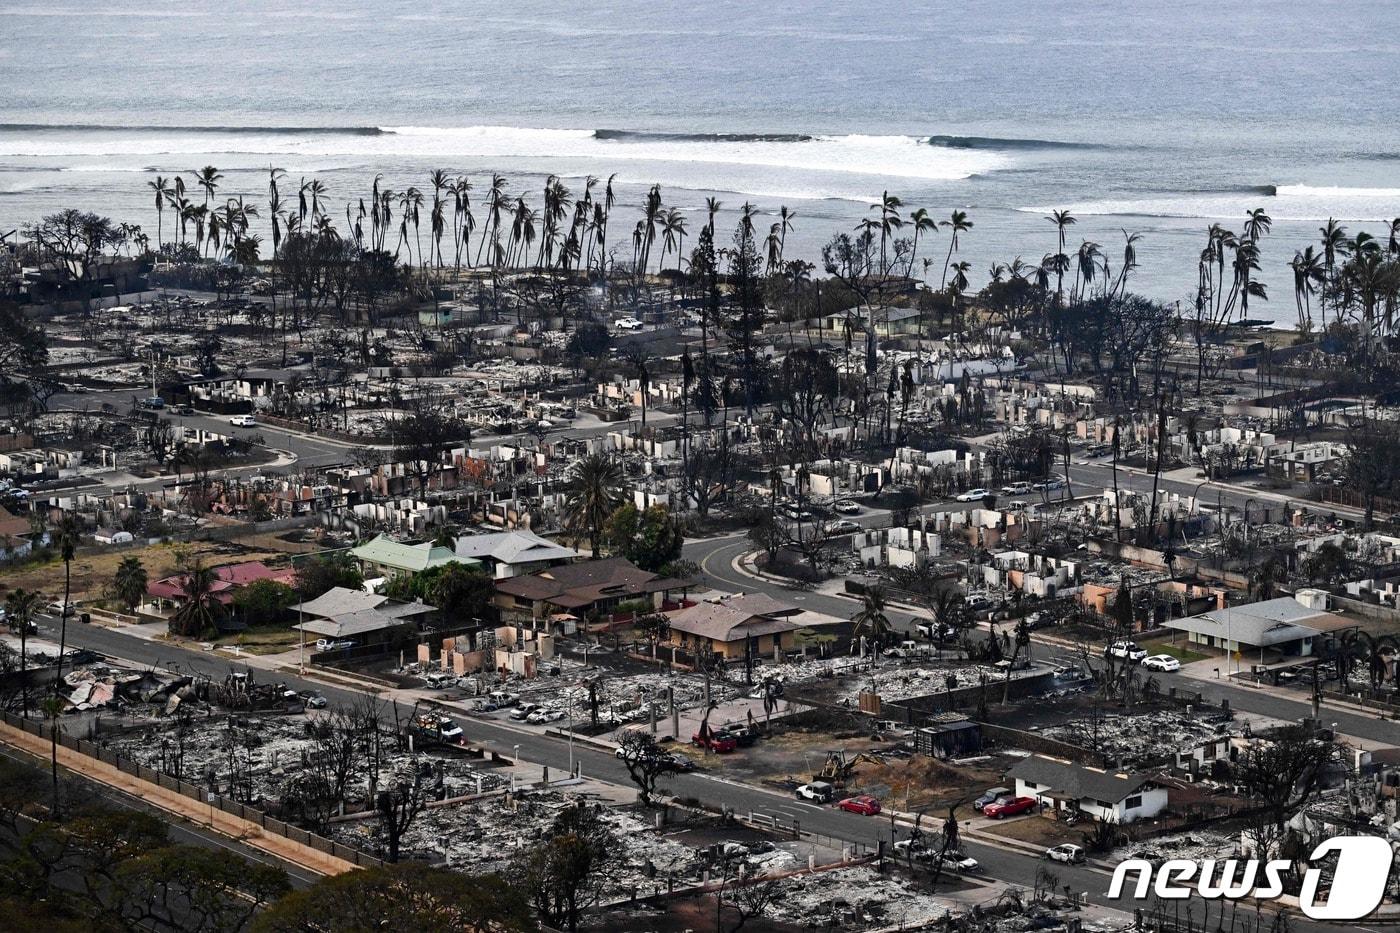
point(1267, 623)
point(730, 618)
point(341, 600)
point(513, 547)
point(572, 586)
point(1076, 781)
point(410, 557)
point(341, 612)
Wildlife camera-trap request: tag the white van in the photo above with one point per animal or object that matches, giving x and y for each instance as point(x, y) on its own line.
point(243, 421)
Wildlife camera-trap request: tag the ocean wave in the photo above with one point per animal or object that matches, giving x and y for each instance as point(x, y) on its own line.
point(644, 136)
point(1310, 203)
point(1268, 191)
point(996, 142)
point(735, 161)
point(157, 128)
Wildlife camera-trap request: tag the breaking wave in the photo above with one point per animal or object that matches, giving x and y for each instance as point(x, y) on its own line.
point(644, 136)
point(1286, 203)
point(996, 142)
point(155, 128)
point(747, 162)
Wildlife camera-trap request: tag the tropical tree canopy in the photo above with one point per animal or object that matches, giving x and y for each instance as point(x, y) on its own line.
point(592, 494)
point(650, 538)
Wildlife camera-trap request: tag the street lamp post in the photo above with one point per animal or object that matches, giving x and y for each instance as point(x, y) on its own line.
point(571, 733)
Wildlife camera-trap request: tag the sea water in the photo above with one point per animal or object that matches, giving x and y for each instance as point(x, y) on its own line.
point(1150, 118)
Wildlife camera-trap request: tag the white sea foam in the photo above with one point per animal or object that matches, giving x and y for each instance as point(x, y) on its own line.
point(893, 157)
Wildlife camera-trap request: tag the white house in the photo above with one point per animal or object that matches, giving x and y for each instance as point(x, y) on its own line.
point(1115, 797)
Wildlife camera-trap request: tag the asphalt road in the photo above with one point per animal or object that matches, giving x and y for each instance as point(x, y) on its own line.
point(309, 450)
point(716, 556)
point(1007, 865)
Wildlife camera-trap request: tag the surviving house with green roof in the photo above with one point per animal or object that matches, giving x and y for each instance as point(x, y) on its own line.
point(387, 558)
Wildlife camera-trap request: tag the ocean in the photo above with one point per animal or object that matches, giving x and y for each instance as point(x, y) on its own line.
point(1150, 118)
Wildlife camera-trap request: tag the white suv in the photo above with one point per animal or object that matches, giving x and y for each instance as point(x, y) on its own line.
point(1126, 651)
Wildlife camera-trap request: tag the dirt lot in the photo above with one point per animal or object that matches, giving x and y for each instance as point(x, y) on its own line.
point(920, 782)
point(1040, 830)
point(93, 568)
point(794, 755)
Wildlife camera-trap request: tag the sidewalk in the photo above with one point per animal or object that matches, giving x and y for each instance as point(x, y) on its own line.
point(179, 805)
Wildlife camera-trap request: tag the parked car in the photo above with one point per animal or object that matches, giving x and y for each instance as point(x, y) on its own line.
point(523, 711)
point(741, 734)
point(1049, 485)
point(184, 410)
point(991, 795)
point(628, 323)
point(436, 724)
point(1161, 662)
point(842, 526)
point(846, 507)
point(907, 649)
point(154, 402)
point(972, 495)
point(864, 804)
point(1017, 489)
point(937, 631)
point(1068, 853)
point(243, 421)
point(1039, 619)
point(820, 791)
point(315, 701)
point(61, 609)
point(1012, 807)
point(977, 601)
point(720, 742)
point(906, 848)
point(330, 644)
point(1125, 651)
point(961, 861)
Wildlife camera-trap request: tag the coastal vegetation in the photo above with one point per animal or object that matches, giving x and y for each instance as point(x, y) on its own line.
point(570, 257)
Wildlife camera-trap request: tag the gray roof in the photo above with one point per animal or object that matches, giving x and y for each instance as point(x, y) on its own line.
point(1263, 624)
point(1077, 781)
point(513, 547)
point(340, 601)
point(354, 623)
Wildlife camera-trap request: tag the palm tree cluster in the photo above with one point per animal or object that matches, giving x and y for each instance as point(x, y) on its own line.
point(215, 227)
point(1357, 278)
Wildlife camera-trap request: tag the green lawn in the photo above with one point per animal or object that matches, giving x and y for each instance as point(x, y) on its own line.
point(1181, 650)
point(264, 639)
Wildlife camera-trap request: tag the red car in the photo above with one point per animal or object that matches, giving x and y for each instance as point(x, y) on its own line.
point(719, 742)
point(865, 804)
point(1011, 808)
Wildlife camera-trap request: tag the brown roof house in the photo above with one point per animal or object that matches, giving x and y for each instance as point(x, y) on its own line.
point(735, 626)
point(594, 587)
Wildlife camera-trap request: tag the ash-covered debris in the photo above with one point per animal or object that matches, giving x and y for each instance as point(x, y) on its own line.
point(490, 834)
point(1136, 739)
point(857, 898)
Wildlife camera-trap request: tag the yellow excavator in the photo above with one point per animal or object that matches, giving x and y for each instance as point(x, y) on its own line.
point(837, 768)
